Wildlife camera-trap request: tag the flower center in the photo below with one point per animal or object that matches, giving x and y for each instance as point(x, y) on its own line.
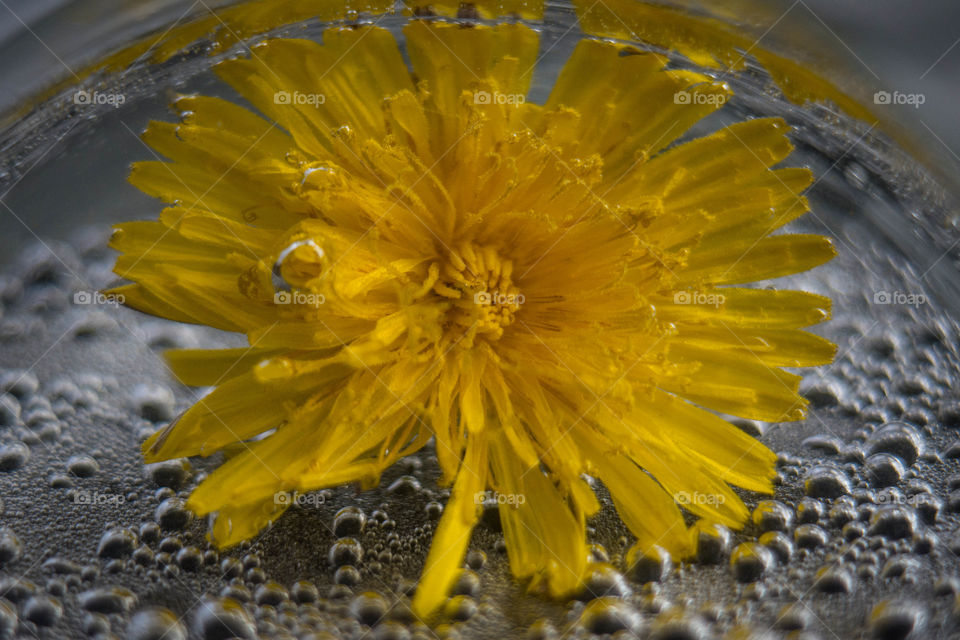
point(477, 280)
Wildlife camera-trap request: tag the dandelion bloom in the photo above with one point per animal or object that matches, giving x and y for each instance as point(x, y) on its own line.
point(547, 291)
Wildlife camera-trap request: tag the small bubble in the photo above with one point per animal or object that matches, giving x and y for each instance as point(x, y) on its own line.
point(749, 561)
point(833, 579)
point(270, 593)
point(608, 616)
point(825, 482)
point(21, 384)
point(108, 600)
point(404, 486)
point(154, 402)
point(772, 515)
point(368, 608)
point(884, 470)
point(189, 559)
point(172, 514)
point(304, 592)
point(349, 521)
point(779, 543)
point(42, 611)
point(10, 547)
point(713, 542)
point(155, 623)
point(345, 551)
point(896, 438)
point(223, 618)
point(650, 565)
point(810, 536)
point(13, 456)
point(82, 466)
point(891, 620)
point(9, 410)
point(347, 575)
point(169, 473)
point(116, 543)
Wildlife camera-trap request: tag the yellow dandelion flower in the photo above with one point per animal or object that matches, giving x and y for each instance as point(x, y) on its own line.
point(547, 291)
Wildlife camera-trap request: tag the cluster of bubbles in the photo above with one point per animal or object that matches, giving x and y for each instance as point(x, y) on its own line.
point(861, 535)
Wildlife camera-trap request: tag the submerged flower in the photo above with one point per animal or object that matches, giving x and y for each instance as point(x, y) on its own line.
point(547, 291)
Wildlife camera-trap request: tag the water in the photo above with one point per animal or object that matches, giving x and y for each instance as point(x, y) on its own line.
point(859, 539)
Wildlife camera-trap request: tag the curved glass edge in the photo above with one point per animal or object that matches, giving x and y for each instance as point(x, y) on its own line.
point(723, 35)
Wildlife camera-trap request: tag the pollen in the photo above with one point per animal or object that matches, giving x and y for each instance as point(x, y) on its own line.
point(484, 300)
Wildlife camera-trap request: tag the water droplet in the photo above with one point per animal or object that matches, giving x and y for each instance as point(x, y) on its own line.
point(169, 473)
point(825, 482)
point(82, 466)
point(270, 593)
point(833, 579)
point(610, 615)
point(896, 438)
point(107, 600)
point(772, 515)
point(301, 261)
point(891, 620)
point(155, 623)
point(9, 410)
point(189, 559)
point(345, 551)
point(42, 611)
point(884, 470)
point(116, 543)
point(461, 608)
point(404, 486)
point(347, 575)
point(304, 592)
point(20, 384)
point(749, 561)
point(467, 584)
point(810, 536)
point(368, 608)
point(779, 543)
point(476, 559)
point(649, 565)
point(154, 402)
point(10, 547)
point(172, 514)
point(893, 522)
point(13, 456)
point(713, 542)
point(8, 619)
point(217, 619)
point(349, 521)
